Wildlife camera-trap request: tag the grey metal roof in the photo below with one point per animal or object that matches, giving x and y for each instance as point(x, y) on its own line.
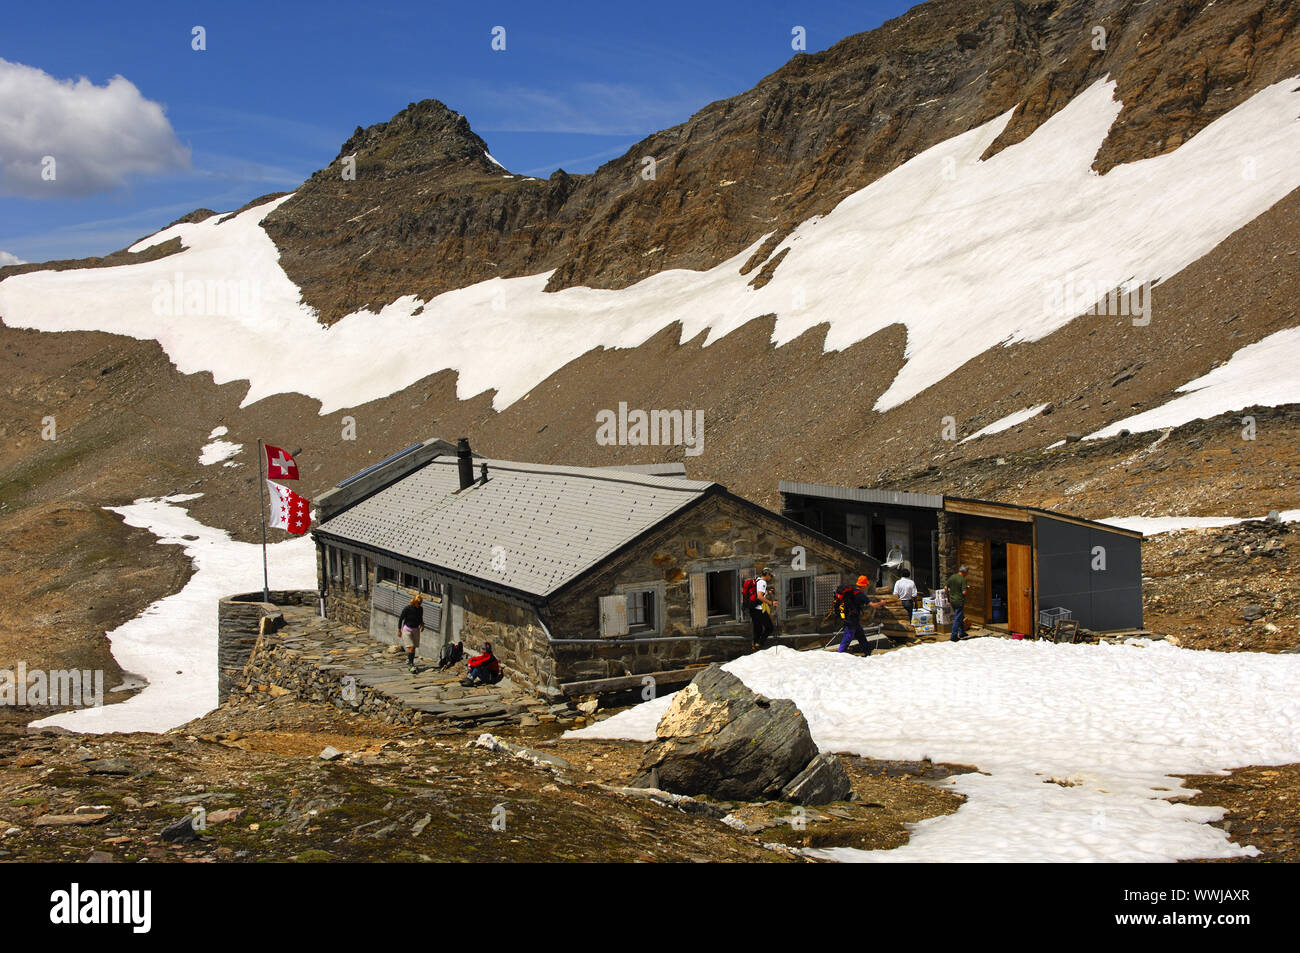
point(932, 501)
point(552, 523)
point(677, 469)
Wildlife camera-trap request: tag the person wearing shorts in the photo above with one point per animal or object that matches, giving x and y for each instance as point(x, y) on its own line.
point(409, 626)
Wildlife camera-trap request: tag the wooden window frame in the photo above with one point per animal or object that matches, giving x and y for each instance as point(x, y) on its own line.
point(784, 578)
point(658, 594)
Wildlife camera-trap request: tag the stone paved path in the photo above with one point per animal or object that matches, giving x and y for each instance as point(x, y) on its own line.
point(343, 650)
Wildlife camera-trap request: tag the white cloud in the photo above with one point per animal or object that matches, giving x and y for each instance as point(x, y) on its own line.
point(8, 259)
point(97, 136)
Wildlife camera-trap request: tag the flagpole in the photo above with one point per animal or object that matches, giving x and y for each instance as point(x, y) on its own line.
point(261, 498)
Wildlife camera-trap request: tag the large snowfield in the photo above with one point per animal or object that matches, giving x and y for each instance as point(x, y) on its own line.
point(963, 253)
point(173, 643)
point(1075, 744)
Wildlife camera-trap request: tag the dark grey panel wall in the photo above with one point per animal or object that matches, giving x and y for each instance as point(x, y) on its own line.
point(1101, 599)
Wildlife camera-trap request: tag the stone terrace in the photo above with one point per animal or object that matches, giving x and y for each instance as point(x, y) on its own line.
point(313, 657)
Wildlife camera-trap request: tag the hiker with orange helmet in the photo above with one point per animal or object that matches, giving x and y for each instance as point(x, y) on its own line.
point(851, 601)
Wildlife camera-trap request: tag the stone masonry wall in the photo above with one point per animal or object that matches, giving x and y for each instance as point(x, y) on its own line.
point(275, 668)
point(518, 641)
point(239, 620)
point(709, 536)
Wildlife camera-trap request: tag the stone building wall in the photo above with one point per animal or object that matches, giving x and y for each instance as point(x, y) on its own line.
point(518, 640)
point(948, 539)
point(239, 622)
point(343, 601)
point(719, 533)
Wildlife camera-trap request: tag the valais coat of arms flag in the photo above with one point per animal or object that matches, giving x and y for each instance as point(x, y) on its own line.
point(279, 464)
point(289, 510)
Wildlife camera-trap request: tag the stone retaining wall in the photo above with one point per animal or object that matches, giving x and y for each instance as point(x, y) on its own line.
point(276, 668)
point(239, 621)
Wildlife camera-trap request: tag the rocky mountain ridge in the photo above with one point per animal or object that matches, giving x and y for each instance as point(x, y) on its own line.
point(428, 212)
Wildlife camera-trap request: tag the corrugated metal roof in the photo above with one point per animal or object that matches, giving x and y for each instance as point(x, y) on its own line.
point(551, 523)
point(885, 497)
point(654, 469)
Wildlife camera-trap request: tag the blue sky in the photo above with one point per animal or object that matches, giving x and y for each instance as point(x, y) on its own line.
point(280, 86)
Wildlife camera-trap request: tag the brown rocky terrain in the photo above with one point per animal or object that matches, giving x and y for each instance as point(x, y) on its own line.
point(394, 794)
point(1261, 808)
point(1230, 589)
point(428, 212)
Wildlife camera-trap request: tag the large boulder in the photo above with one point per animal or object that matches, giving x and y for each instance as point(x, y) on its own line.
point(721, 739)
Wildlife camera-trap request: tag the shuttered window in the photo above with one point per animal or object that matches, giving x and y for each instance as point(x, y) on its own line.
point(699, 600)
point(824, 592)
point(613, 615)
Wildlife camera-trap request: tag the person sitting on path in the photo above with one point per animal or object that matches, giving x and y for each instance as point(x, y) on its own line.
point(483, 669)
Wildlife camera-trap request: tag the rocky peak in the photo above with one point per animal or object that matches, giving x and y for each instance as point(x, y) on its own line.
point(423, 135)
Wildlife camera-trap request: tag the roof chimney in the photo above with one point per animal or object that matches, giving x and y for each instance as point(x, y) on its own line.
point(465, 462)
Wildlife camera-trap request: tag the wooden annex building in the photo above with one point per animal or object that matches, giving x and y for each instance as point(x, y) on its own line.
point(584, 579)
point(1022, 559)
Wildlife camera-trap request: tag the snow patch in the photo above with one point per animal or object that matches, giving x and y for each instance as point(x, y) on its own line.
point(1007, 422)
point(1114, 722)
point(1260, 374)
point(219, 450)
point(1152, 525)
point(173, 643)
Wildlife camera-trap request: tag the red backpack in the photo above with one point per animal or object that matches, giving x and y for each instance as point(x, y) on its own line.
point(844, 604)
point(749, 591)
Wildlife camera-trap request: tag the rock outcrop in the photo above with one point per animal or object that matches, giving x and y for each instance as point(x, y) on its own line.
point(721, 739)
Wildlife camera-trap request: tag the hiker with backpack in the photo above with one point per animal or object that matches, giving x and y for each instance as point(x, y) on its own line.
point(849, 604)
point(758, 598)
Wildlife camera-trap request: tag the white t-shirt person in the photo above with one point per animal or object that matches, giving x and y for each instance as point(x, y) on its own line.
point(905, 589)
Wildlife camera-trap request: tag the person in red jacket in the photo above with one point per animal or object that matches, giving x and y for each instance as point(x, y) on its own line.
point(483, 669)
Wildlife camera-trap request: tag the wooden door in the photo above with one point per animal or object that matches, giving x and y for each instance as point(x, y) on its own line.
point(1020, 591)
point(974, 554)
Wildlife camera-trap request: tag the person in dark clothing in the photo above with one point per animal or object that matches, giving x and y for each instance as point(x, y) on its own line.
point(452, 653)
point(854, 604)
point(759, 601)
point(957, 599)
point(483, 669)
point(409, 626)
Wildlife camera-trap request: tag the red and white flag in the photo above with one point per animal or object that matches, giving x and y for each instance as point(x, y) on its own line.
point(289, 510)
point(279, 464)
